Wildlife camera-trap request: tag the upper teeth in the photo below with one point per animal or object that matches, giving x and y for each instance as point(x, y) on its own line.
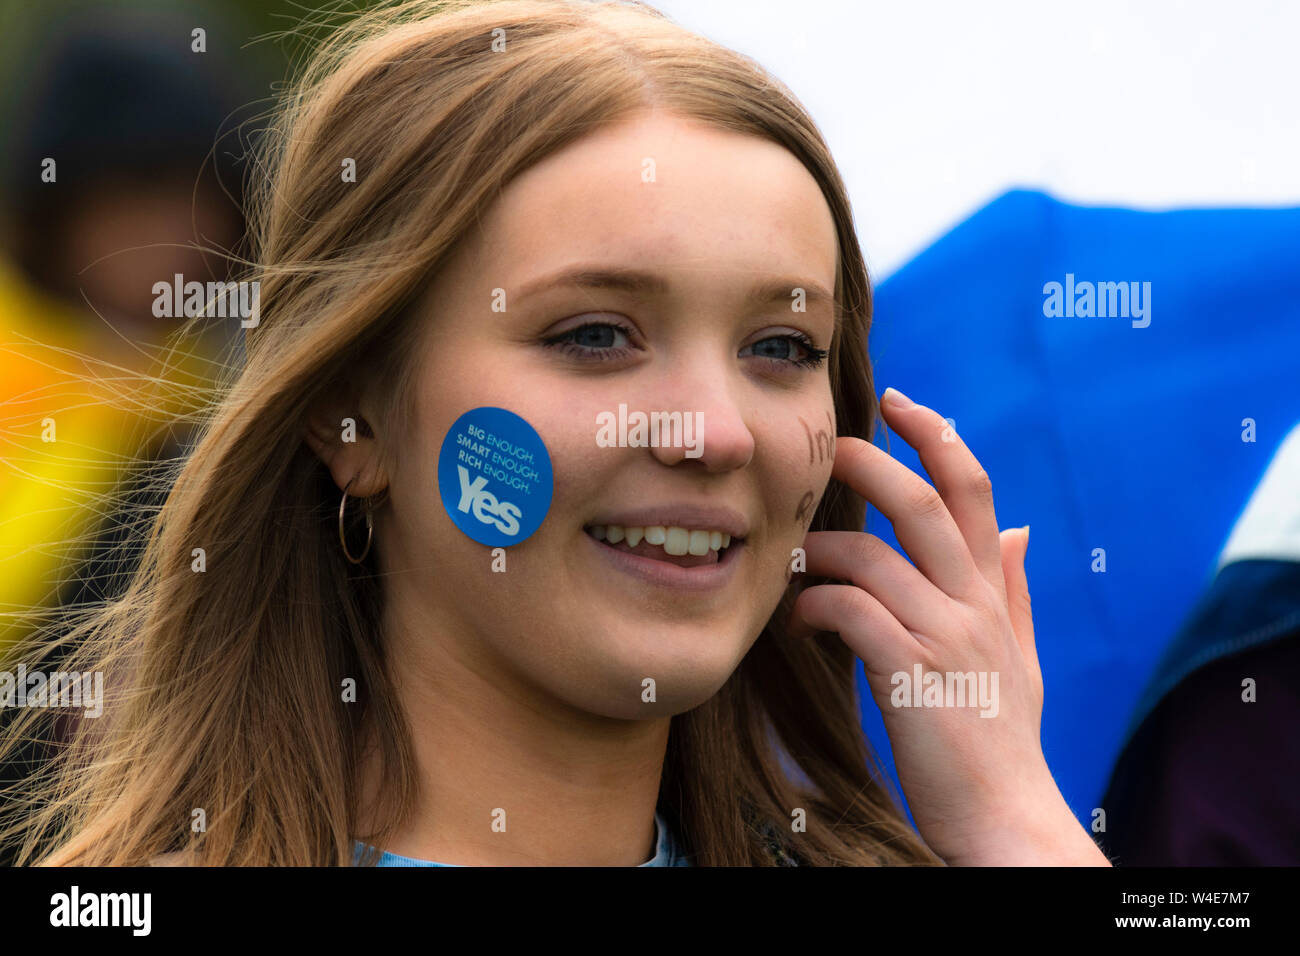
point(674, 540)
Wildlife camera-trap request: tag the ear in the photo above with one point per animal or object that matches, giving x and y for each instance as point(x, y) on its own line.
point(341, 437)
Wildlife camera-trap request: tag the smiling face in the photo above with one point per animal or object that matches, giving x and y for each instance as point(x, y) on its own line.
point(691, 243)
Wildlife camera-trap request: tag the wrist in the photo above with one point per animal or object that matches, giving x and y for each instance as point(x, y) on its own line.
point(1032, 831)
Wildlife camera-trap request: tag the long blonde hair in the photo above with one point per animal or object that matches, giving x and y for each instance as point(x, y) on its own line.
point(225, 683)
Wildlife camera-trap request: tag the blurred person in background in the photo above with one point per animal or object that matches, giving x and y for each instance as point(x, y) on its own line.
point(1203, 778)
point(119, 173)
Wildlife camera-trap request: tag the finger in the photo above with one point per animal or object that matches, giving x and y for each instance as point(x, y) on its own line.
point(920, 518)
point(1014, 543)
point(862, 623)
point(871, 564)
point(957, 475)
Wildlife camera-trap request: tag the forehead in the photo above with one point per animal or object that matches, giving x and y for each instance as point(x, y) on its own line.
point(662, 191)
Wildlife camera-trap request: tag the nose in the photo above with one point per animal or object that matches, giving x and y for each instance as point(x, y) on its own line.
point(712, 415)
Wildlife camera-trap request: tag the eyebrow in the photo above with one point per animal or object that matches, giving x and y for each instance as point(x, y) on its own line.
point(640, 282)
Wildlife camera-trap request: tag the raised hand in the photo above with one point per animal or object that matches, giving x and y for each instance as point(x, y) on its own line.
point(969, 757)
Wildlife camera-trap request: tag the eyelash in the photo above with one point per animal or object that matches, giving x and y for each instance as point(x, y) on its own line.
point(565, 344)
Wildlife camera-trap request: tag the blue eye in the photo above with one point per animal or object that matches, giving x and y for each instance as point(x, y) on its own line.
point(782, 348)
point(592, 342)
point(599, 342)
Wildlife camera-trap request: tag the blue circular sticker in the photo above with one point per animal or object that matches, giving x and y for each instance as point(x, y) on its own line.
point(495, 477)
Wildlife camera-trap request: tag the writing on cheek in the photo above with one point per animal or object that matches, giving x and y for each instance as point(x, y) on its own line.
point(805, 505)
point(821, 444)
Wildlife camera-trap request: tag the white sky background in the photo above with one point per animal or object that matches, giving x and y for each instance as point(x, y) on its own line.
point(932, 109)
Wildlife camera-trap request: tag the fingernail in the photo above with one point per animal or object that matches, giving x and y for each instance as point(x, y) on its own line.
point(898, 398)
point(1026, 537)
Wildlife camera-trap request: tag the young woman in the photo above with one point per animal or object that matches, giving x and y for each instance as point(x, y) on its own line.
point(573, 212)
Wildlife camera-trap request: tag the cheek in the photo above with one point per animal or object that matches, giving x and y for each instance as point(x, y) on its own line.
point(816, 459)
point(580, 467)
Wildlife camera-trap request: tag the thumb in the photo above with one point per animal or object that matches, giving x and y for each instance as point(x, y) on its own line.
point(1014, 543)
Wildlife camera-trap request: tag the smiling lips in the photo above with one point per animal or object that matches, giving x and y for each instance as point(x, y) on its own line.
point(684, 547)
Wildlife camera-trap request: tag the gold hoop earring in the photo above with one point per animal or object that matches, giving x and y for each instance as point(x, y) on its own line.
point(370, 527)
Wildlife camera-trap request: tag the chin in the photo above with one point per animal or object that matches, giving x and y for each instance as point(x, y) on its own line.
point(688, 664)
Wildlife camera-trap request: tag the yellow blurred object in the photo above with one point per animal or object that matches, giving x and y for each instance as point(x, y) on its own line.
point(77, 403)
